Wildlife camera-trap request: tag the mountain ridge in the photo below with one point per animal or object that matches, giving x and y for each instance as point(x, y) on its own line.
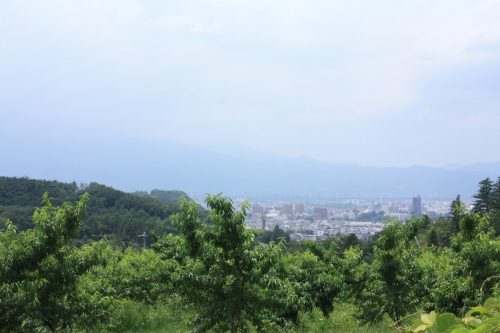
point(140, 165)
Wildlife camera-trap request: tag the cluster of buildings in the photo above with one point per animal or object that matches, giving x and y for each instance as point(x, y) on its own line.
point(320, 220)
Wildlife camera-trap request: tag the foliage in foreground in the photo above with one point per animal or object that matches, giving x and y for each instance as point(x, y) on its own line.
point(480, 319)
point(234, 282)
point(39, 271)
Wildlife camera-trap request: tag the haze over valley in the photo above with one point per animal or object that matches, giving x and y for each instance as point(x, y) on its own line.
point(127, 165)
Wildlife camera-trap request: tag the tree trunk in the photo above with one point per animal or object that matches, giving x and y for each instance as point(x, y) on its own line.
point(235, 325)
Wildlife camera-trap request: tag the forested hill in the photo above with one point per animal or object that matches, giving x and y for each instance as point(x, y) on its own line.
point(116, 214)
point(168, 197)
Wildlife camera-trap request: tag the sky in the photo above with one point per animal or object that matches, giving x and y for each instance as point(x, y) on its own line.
point(375, 83)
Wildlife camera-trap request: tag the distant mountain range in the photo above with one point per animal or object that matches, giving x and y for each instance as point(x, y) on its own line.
point(143, 165)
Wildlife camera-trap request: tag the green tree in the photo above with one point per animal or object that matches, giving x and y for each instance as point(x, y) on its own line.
point(442, 228)
point(457, 210)
point(346, 242)
point(322, 281)
point(275, 235)
point(445, 283)
point(138, 275)
point(432, 239)
point(225, 275)
point(495, 195)
point(476, 245)
point(39, 271)
point(484, 197)
point(391, 283)
point(495, 218)
point(495, 222)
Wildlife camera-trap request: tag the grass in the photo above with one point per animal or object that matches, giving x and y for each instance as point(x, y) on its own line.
point(171, 317)
point(341, 320)
point(167, 317)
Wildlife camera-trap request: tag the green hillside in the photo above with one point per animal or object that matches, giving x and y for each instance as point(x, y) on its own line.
point(168, 197)
point(116, 214)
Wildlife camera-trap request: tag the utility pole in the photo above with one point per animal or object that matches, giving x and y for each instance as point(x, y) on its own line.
point(144, 237)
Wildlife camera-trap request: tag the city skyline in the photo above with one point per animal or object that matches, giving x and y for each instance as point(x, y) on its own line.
point(332, 218)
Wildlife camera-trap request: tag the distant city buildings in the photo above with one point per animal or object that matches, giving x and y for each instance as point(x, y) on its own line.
point(257, 210)
point(299, 208)
point(320, 213)
point(287, 210)
point(328, 218)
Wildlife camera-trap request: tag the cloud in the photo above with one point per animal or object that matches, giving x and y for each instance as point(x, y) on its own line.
point(269, 75)
point(189, 23)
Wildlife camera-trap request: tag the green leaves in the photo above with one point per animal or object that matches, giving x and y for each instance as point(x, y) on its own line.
point(223, 271)
point(39, 271)
point(484, 318)
point(233, 281)
point(484, 197)
point(392, 282)
point(435, 323)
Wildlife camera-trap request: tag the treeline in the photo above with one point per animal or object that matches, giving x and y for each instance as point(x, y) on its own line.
point(116, 215)
point(217, 274)
point(487, 201)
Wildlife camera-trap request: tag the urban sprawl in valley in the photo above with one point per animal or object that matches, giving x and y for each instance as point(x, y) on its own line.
point(361, 217)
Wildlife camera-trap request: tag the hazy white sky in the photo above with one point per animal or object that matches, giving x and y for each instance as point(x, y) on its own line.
point(369, 82)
